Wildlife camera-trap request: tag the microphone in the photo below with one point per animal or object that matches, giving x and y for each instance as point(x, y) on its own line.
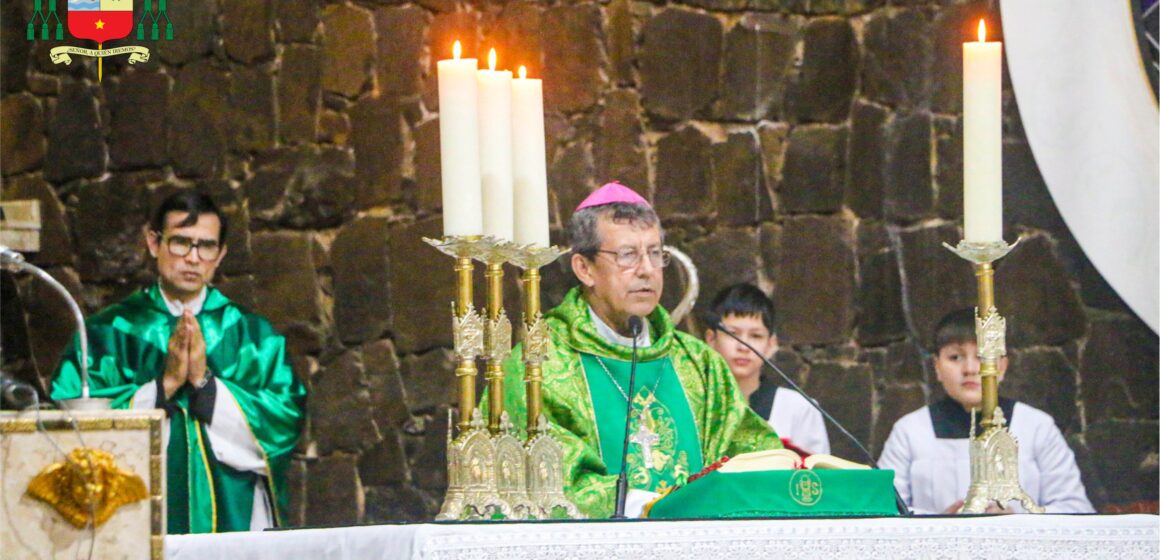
point(16, 394)
point(717, 325)
point(635, 324)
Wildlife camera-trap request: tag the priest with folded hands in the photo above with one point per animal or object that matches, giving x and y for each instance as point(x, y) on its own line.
point(220, 372)
point(687, 409)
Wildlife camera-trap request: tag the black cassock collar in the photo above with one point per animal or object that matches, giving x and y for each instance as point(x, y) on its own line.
point(761, 401)
point(952, 421)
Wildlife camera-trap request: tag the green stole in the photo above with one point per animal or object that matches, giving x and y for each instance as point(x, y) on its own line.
point(669, 432)
point(230, 499)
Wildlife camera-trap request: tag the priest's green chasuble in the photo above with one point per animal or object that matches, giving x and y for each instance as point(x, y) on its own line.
point(128, 343)
point(695, 412)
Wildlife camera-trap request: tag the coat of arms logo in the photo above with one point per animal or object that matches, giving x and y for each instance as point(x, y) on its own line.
point(100, 21)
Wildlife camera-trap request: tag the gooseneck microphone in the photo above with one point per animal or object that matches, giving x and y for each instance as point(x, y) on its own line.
point(718, 326)
point(635, 324)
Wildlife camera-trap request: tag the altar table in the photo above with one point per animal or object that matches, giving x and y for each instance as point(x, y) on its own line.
point(1054, 537)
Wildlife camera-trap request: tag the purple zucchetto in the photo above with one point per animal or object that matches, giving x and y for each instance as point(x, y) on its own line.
point(613, 192)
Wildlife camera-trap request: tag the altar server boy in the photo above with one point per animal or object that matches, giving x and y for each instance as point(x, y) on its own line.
point(928, 448)
point(748, 313)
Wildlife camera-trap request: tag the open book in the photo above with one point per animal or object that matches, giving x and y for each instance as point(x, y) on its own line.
point(784, 459)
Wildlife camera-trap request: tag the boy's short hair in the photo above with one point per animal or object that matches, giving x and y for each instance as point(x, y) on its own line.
point(955, 327)
point(743, 300)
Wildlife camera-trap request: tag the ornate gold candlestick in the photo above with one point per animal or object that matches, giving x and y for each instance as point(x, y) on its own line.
point(467, 324)
point(472, 487)
point(994, 453)
point(536, 343)
point(545, 486)
point(497, 330)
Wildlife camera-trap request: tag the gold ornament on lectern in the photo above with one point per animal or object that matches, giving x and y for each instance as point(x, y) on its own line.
point(994, 453)
point(87, 486)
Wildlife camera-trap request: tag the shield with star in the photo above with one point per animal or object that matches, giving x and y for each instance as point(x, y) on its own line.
point(100, 20)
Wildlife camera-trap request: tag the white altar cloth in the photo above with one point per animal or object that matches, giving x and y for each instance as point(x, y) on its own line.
point(1054, 537)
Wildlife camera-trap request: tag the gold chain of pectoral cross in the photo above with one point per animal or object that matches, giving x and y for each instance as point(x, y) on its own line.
point(644, 436)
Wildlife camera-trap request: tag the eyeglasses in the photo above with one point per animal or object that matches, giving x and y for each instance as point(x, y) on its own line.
point(628, 259)
point(180, 246)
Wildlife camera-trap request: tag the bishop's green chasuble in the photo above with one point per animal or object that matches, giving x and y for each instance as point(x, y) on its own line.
point(128, 344)
point(695, 412)
point(663, 446)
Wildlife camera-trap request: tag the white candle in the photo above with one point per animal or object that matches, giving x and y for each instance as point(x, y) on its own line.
point(495, 149)
point(982, 140)
point(529, 161)
point(459, 145)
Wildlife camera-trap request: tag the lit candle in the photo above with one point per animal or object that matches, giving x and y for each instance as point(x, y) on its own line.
point(529, 161)
point(495, 149)
point(459, 145)
point(982, 139)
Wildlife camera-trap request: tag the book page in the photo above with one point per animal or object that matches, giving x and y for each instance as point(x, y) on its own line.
point(771, 460)
point(831, 462)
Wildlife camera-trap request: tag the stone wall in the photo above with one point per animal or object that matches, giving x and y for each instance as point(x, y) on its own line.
point(811, 146)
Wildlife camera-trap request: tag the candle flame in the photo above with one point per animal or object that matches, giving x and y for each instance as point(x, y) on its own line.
point(491, 60)
point(982, 31)
point(523, 71)
point(456, 50)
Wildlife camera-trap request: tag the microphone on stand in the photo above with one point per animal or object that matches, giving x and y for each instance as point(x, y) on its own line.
point(14, 262)
point(635, 324)
point(715, 322)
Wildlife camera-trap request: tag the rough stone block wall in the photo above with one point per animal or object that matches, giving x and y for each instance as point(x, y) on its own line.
point(810, 146)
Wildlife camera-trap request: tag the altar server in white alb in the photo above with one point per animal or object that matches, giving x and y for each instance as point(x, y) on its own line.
point(928, 448)
point(748, 313)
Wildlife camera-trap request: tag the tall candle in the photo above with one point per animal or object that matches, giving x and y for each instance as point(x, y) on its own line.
point(982, 139)
point(459, 145)
point(495, 149)
point(529, 161)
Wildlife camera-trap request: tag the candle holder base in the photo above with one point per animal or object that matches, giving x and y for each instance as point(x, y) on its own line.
point(472, 489)
point(545, 460)
point(511, 472)
point(995, 469)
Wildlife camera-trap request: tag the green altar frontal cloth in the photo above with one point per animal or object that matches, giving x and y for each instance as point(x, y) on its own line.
point(781, 493)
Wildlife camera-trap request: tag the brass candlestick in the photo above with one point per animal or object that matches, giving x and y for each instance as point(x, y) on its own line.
point(545, 456)
point(537, 346)
point(497, 330)
point(467, 324)
point(994, 453)
point(472, 488)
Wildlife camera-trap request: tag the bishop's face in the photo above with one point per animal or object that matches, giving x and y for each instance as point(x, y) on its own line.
point(614, 289)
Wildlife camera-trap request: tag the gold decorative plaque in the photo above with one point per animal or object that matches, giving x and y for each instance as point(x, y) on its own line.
point(119, 454)
point(87, 485)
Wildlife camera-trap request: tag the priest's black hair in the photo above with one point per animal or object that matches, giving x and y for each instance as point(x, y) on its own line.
point(193, 202)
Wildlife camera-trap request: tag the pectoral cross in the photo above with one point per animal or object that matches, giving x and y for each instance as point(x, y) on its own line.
point(645, 438)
